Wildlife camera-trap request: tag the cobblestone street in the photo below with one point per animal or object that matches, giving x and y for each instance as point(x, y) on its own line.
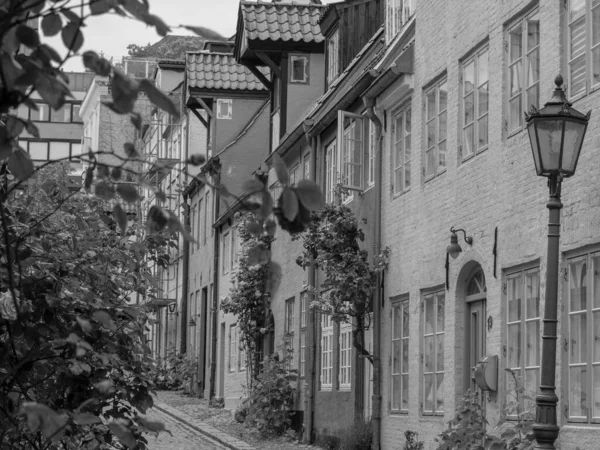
point(184, 437)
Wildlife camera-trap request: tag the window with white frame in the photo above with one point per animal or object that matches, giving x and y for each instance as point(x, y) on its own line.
point(582, 381)
point(276, 189)
point(201, 221)
point(333, 54)
point(345, 356)
point(326, 352)
point(523, 346)
point(397, 14)
point(234, 247)
point(351, 131)
point(226, 255)
point(289, 316)
point(475, 104)
point(302, 353)
point(433, 353)
point(399, 367)
point(224, 108)
point(242, 352)
point(298, 68)
point(401, 132)
point(306, 167)
point(436, 123)
point(523, 68)
point(294, 174)
point(372, 154)
point(303, 325)
point(331, 172)
point(275, 129)
point(205, 223)
point(233, 348)
point(583, 48)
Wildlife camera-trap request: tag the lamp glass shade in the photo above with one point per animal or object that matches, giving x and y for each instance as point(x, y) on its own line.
point(454, 249)
point(535, 148)
point(574, 133)
point(549, 132)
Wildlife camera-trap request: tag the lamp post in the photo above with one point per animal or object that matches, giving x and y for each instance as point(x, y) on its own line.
point(556, 134)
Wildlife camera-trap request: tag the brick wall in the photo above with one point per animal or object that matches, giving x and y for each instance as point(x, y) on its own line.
point(497, 188)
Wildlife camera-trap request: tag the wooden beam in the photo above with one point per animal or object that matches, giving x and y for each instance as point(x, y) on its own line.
point(269, 62)
point(204, 106)
point(258, 74)
point(202, 119)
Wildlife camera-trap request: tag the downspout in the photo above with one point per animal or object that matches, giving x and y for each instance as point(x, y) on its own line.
point(186, 256)
point(377, 294)
point(215, 170)
point(311, 344)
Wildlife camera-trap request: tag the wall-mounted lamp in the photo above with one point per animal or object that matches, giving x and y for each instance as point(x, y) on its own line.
point(454, 249)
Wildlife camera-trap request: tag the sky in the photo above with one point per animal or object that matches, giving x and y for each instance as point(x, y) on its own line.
point(112, 34)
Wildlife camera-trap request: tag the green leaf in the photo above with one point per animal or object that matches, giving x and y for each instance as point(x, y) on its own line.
point(310, 195)
point(130, 150)
point(72, 37)
point(52, 90)
point(32, 129)
point(44, 419)
point(123, 434)
point(289, 204)
point(259, 254)
point(14, 126)
point(150, 425)
point(104, 319)
point(104, 191)
point(105, 387)
point(115, 173)
point(196, 159)
point(128, 192)
point(28, 36)
point(86, 419)
point(20, 165)
point(124, 92)
point(85, 325)
point(254, 228)
point(280, 169)
point(97, 64)
point(159, 98)
point(205, 33)
point(121, 218)
point(161, 27)
point(252, 186)
point(136, 120)
point(157, 219)
point(175, 225)
point(98, 7)
point(51, 24)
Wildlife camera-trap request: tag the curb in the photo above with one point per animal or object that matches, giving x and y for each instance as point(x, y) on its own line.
point(204, 428)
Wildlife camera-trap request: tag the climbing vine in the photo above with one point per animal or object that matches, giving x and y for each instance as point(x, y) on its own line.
point(331, 243)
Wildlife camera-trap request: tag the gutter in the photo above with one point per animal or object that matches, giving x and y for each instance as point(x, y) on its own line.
point(215, 303)
point(186, 256)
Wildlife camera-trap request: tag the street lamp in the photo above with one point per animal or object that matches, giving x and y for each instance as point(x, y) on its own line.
point(556, 134)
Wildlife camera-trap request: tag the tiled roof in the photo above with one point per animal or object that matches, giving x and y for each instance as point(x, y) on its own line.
point(282, 21)
point(206, 70)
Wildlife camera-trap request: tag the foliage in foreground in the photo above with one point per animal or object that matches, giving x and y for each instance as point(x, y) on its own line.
point(73, 361)
point(268, 407)
point(357, 437)
point(173, 372)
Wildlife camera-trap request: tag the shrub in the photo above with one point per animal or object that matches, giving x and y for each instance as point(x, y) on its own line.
point(271, 398)
point(174, 371)
point(412, 441)
point(357, 437)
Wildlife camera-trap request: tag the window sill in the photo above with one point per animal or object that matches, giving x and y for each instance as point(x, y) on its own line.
point(326, 388)
point(514, 132)
point(437, 175)
point(345, 388)
point(473, 155)
point(398, 413)
point(395, 195)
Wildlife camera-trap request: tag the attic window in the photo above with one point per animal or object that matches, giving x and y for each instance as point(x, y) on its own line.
point(224, 108)
point(298, 69)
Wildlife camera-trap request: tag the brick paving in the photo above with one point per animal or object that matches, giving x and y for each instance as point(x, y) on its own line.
point(183, 438)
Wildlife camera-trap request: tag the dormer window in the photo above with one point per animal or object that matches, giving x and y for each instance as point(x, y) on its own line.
point(298, 69)
point(333, 51)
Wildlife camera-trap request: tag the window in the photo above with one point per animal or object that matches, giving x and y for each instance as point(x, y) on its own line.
point(290, 352)
point(433, 353)
point(400, 336)
point(275, 129)
point(75, 149)
point(523, 344)
point(303, 309)
point(303, 324)
point(224, 108)
point(76, 117)
point(233, 348)
point(398, 12)
point(42, 114)
point(193, 223)
point(372, 153)
point(583, 344)
point(351, 130)
point(475, 105)
point(306, 166)
point(436, 116)
point(289, 316)
point(294, 174)
point(205, 223)
point(276, 190)
point(326, 351)
point(242, 354)
point(345, 356)
point(330, 172)
point(59, 150)
point(583, 46)
point(298, 69)
point(38, 150)
point(61, 115)
point(333, 54)
point(201, 222)
point(226, 253)
point(401, 131)
point(523, 69)
point(302, 353)
point(234, 247)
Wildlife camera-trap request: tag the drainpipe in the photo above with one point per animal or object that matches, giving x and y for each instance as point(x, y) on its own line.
point(311, 344)
point(377, 294)
point(186, 257)
point(216, 172)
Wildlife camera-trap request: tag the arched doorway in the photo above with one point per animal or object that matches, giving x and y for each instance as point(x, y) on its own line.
point(475, 325)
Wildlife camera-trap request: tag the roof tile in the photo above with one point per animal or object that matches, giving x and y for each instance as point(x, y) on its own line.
point(282, 21)
point(206, 70)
